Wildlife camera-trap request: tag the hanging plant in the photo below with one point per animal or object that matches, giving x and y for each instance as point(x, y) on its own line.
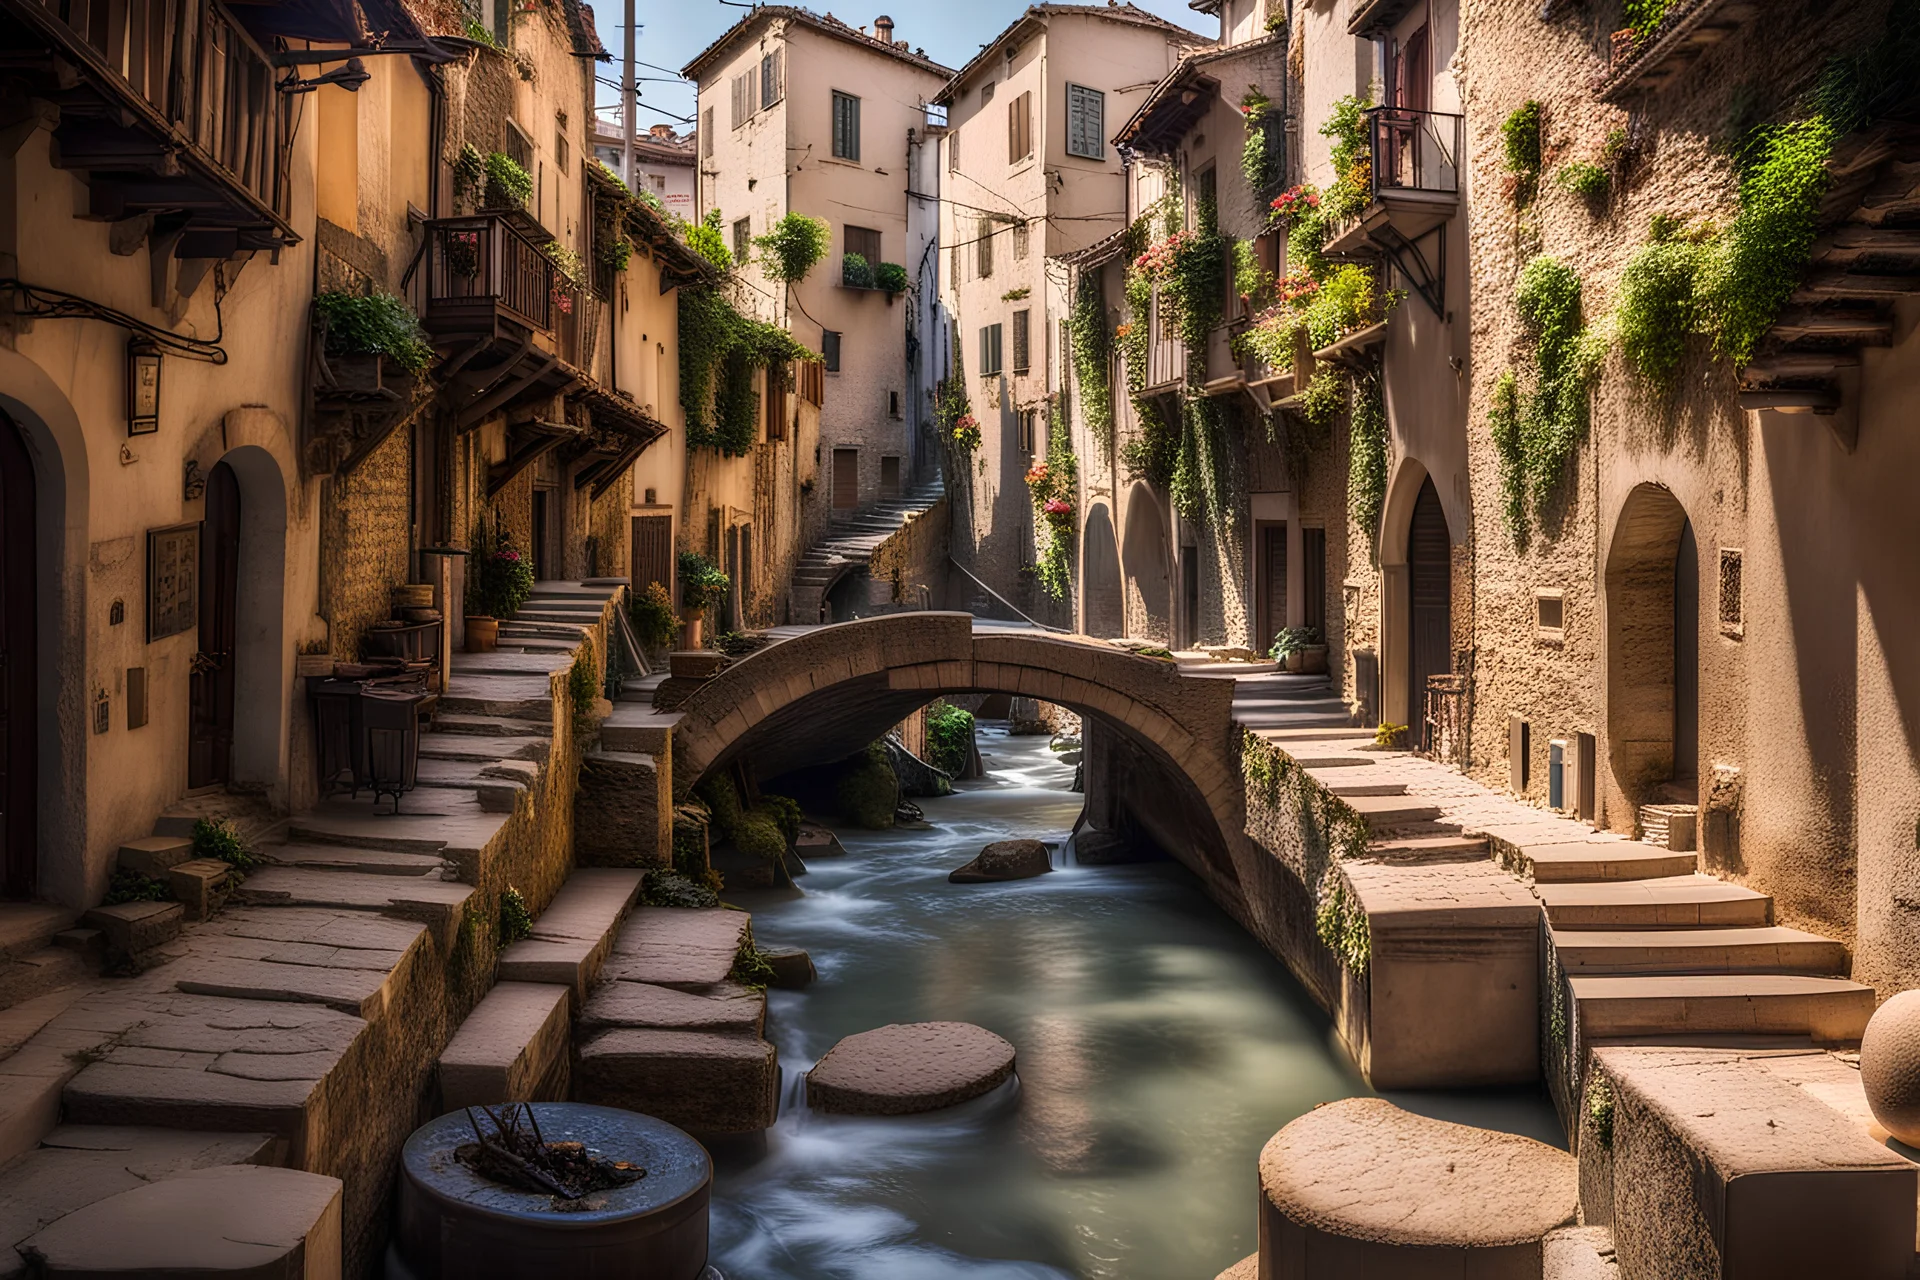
point(1352, 157)
point(1552, 412)
point(953, 418)
point(721, 351)
point(792, 246)
point(706, 239)
point(373, 324)
point(1367, 451)
point(1659, 312)
point(508, 185)
point(1503, 424)
point(1259, 158)
point(1052, 485)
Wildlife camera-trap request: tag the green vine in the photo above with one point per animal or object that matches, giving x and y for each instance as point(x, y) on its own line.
point(1645, 16)
point(1341, 923)
point(469, 174)
point(373, 324)
point(720, 352)
point(1565, 360)
point(1503, 422)
point(1600, 1107)
point(707, 239)
point(508, 186)
point(1659, 308)
point(1258, 156)
point(953, 413)
point(1585, 179)
point(1092, 356)
point(792, 246)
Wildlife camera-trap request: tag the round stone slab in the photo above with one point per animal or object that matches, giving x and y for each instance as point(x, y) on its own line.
point(908, 1067)
point(1366, 1183)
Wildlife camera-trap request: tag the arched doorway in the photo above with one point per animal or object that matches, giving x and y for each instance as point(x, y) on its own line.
point(1653, 648)
point(1104, 604)
point(1148, 569)
point(19, 666)
point(211, 695)
point(1429, 603)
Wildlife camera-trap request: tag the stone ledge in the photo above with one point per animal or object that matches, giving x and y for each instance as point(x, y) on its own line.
point(514, 1047)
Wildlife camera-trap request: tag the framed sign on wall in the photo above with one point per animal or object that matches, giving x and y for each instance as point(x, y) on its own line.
point(173, 580)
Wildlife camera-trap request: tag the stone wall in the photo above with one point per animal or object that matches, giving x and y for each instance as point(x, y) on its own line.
point(366, 530)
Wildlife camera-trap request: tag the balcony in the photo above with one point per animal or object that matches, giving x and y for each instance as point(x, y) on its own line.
point(485, 276)
point(1641, 68)
point(169, 110)
point(1414, 189)
point(1166, 356)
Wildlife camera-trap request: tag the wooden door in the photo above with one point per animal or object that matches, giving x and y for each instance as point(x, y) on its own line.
point(1313, 581)
point(210, 698)
point(652, 552)
point(1430, 601)
point(1273, 583)
point(1686, 657)
point(846, 479)
point(19, 691)
point(541, 503)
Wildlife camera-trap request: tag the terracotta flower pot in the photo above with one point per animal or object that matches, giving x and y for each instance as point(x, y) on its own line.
point(483, 633)
point(693, 618)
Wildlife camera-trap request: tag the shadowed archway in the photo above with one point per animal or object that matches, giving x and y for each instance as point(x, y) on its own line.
point(1652, 582)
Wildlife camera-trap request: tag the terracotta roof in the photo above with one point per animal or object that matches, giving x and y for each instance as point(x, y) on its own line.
point(1185, 74)
point(646, 146)
point(820, 22)
point(1039, 13)
point(1105, 249)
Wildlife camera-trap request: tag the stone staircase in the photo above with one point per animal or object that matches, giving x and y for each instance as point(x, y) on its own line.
point(848, 547)
point(295, 1018)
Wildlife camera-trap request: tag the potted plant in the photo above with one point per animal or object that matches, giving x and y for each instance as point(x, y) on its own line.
point(502, 581)
point(701, 584)
point(373, 345)
point(1300, 650)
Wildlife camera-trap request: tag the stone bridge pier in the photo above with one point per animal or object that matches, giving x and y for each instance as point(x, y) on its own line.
point(1161, 748)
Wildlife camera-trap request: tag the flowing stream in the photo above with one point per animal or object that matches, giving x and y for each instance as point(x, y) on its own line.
point(1159, 1048)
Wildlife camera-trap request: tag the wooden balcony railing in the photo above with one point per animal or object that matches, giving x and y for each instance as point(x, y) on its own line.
point(1416, 150)
point(481, 267)
point(1166, 356)
point(190, 71)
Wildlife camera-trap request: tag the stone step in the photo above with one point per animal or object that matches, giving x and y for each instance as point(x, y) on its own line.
point(1829, 1010)
point(726, 1006)
point(317, 828)
point(571, 939)
point(434, 902)
point(1712, 1158)
point(687, 949)
point(487, 726)
point(27, 927)
point(1384, 813)
point(513, 700)
point(1577, 1253)
point(705, 1082)
point(153, 855)
point(1763, 949)
point(347, 960)
point(1444, 847)
point(515, 1046)
point(1670, 902)
point(1345, 782)
point(1601, 860)
point(479, 749)
point(135, 927)
point(77, 1165)
point(519, 645)
point(1670, 826)
point(340, 857)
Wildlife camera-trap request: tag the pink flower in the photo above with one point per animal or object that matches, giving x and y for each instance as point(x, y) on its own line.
point(964, 422)
point(1058, 507)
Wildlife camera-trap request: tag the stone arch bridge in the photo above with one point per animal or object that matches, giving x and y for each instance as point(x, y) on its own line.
point(1162, 755)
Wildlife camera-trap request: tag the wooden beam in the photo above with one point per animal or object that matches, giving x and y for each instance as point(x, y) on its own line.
point(478, 409)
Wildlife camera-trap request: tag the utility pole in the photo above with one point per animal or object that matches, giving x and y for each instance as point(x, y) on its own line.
point(627, 106)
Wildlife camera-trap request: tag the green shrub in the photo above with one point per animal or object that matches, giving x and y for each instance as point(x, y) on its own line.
point(478, 32)
point(701, 582)
point(131, 886)
point(856, 272)
point(890, 276)
point(1645, 16)
point(1388, 735)
point(868, 791)
point(508, 185)
point(750, 965)
point(786, 814)
point(1520, 132)
point(765, 830)
point(1292, 640)
point(654, 622)
point(218, 838)
point(583, 684)
point(1585, 179)
point(792, 246)
point(949, 738)
point(373, 324)
point(671, 889)
point(516, 922)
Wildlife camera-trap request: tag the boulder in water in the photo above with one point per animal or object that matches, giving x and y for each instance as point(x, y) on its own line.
point(816, 841)
point(909, 1067)
point(791, 967)
point(1006, 860)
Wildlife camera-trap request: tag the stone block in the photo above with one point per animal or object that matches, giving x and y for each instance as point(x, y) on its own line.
point(695, 664)
point(238, 1220)
point(623, 811)
point(1362, 1188)
point(677, 948)
point(133, 927)
point(1453, 981)
point(572, 937)
point(514, 1047)
point(1713, 1165)
point(154, 855)
point(704, 1082)
point(196, 885)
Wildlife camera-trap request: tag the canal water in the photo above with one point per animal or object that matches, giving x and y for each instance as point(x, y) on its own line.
point(1159, 1048)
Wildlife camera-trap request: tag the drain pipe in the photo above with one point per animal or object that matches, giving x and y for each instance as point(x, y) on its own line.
point(1003, 600)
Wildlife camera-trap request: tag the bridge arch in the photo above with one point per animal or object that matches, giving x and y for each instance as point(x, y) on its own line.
point(825, 694)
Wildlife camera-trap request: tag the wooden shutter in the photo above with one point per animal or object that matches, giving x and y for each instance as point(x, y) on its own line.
point(742, 98)
point(773, 68)
point(864, 241)
point(983, 248)
point(1086, 122)
point(953, 149)
point(706, 133)
point(652, 552)
point(1020, 127)
point(1022, 341)
point(846, 479)
point(846, 126)
point(776, 402)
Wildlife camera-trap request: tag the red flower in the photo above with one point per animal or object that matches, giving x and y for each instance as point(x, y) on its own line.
point(1058, 507)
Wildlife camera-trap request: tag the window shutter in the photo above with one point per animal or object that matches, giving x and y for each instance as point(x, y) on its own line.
point(953, 150)
point(1022, 341)
point(706, 133)
point(846, 126)
point(983, 248)
point(1013, 130)
point(1086, 122)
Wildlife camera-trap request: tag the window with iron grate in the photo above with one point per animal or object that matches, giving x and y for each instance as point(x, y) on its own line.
point(1732, 609)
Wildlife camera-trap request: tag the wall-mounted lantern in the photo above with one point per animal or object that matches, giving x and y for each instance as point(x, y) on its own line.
point(143, 387)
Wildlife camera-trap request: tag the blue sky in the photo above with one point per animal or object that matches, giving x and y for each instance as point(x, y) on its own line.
point(672, 33)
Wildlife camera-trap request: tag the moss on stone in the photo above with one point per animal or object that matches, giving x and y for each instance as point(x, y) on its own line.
point(868, 791)
point(1600, 1109)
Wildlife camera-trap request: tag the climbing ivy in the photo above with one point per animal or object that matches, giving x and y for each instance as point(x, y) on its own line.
point(1503, 422)
point(1553, 421)
point(1520, 133)
point(1659, 310)
point(1367, 450)
point(706, 239)
point(1258, 156)
point(1053, 484)
point(720, 351)
point(1341, 923)
point(1092, 356)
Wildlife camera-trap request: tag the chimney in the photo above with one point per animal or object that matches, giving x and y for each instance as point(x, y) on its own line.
point(883, 30)
point(664, 132)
